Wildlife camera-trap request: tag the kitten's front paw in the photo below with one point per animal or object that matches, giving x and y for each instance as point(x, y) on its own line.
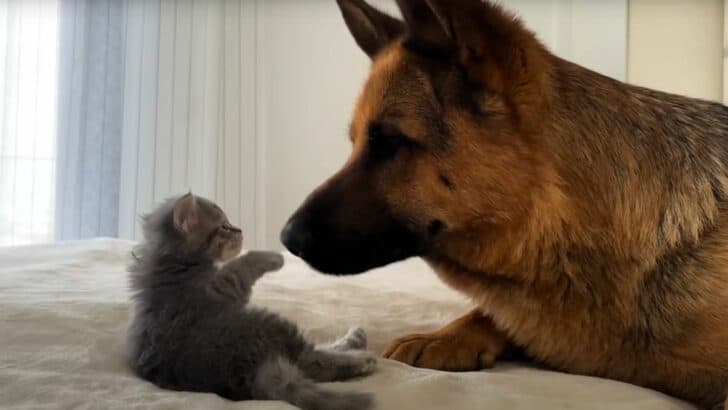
point(267, 261)
point(274, 262)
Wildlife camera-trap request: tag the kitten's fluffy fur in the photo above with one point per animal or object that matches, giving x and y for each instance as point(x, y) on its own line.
point(193, 330)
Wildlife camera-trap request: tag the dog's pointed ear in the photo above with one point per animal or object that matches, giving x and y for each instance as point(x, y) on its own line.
point(482, 30)
point(372, 29)
point(490, 44)
point(466, 22)
point(476, 28)
point(423, 25)
point(185, 213)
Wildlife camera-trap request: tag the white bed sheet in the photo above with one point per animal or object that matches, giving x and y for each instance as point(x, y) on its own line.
point(64, 309)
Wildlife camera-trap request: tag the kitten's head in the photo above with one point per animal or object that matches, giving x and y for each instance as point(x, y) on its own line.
point(195, 227)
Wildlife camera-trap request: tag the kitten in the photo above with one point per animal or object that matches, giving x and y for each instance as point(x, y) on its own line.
point(193, 330)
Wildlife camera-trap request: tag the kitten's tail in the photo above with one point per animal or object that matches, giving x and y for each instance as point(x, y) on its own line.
point(278, 379)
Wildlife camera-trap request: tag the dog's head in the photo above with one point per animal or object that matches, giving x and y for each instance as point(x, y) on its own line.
point(442, 136)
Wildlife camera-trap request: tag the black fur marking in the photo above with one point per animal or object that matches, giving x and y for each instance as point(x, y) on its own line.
point(436, 226)
point(447, 182)
point(428, 49)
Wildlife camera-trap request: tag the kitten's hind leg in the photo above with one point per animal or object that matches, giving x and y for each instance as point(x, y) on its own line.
point(278, 379)
point(329, 365)
point(354, 339)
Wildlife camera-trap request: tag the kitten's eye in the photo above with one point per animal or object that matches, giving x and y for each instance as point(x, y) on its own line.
point(385, 141)
point(227, 227)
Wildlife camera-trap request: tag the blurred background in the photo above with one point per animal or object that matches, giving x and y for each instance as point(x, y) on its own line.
point(109, 106)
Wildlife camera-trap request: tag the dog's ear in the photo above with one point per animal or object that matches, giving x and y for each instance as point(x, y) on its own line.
point(469, 23)
point(424, 27)
point(491, 45)
point(478, 31)
point(372, 29)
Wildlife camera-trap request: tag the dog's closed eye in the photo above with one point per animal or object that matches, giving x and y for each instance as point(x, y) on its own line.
point(385, 140)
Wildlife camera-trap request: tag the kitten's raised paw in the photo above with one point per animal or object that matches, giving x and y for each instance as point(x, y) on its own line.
point(275, 262)
point(356, 338)
point(267, 261)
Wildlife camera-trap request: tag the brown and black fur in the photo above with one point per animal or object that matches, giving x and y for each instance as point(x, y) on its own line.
point(587, 218)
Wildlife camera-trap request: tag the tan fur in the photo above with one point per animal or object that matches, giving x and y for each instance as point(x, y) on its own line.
point(586, 217)
point(469, 343)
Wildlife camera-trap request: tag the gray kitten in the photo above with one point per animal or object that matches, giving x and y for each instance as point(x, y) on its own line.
point(193, 330)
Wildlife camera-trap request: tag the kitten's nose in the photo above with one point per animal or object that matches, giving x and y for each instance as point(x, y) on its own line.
point(296, 238)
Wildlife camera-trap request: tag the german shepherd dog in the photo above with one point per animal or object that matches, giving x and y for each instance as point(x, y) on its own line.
point(587, 218)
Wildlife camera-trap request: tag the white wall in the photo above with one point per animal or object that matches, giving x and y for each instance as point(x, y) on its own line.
point(310, 70)
point(725, 51)
point(676, 46)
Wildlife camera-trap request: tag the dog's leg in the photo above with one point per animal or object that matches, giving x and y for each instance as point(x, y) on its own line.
point(469, 343)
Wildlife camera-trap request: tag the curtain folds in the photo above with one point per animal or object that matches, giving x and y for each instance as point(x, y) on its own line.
point(189, 112)
point(91, 73)
point(28, 92)
point(156, 98)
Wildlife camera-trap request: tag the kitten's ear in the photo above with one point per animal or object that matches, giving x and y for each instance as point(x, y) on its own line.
point(185, 213)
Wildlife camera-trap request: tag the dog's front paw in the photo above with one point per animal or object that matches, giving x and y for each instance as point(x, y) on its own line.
point(471, 342)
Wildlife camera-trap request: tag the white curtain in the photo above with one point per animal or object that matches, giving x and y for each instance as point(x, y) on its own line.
point(109, 106)
point(28, 91)
point(91, 62)
point(189, 113)
point(158, 101)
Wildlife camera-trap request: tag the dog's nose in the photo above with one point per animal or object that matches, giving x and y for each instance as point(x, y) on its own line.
point(296, 238)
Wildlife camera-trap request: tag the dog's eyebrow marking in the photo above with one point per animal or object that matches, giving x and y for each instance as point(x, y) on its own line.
point(447, 182)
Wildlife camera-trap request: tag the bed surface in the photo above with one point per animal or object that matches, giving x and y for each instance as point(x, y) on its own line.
point(64, 309)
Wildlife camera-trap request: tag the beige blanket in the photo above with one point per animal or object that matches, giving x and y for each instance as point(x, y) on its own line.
point(64, 307)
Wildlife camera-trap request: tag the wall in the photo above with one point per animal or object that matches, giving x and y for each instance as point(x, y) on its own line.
point(676, 46)
point(310, 71)
point(725, 51)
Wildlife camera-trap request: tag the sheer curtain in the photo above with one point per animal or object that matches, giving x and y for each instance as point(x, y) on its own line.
point(155, 101)
point(91, 63)
point(189, 107)
point(28, 96)
point(109, 106)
